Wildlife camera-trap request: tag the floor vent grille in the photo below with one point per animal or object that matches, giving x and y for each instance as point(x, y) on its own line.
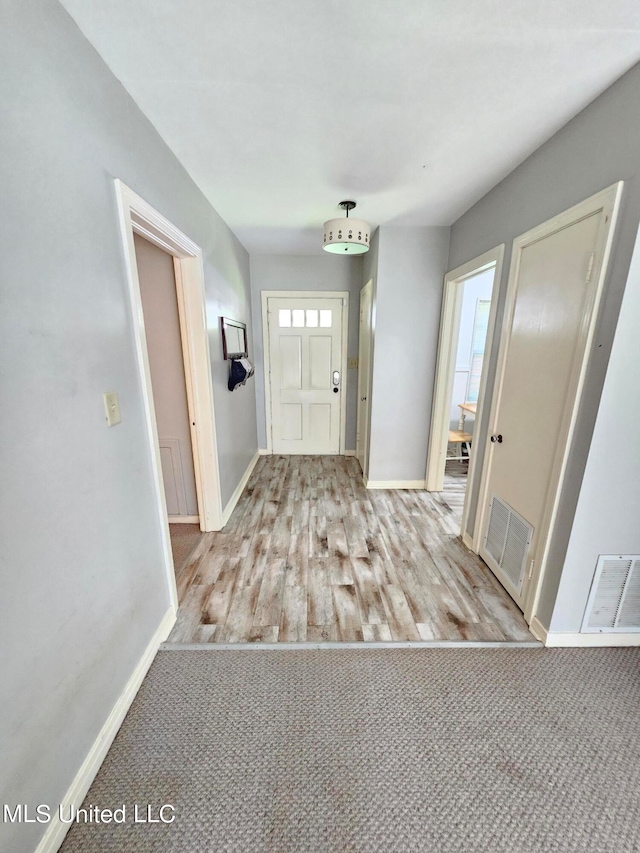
point(507, 541)
point(614, 601)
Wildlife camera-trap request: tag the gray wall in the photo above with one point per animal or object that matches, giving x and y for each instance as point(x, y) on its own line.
point(313, 272)
point(411, 263)
point(84, 587)
point(600, 146)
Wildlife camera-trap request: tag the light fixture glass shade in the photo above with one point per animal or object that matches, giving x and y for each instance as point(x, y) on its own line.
point(346, 236)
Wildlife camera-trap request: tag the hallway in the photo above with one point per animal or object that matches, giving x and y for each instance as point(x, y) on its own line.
point(310, 555)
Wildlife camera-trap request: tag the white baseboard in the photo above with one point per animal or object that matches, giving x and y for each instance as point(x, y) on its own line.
point(349, 453)
point(395, 484)
point(56, 830)
point(568, 640)
point(262, 451)
point(184, 519)
point(235, 497)
point(559, 639)
point(467, 540)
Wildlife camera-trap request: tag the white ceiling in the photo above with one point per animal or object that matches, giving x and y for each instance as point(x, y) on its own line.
point(415, 108)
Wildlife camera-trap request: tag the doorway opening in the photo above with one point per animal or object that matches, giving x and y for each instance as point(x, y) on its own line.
point(159, 297)
point(146, 230)
point(464, 348)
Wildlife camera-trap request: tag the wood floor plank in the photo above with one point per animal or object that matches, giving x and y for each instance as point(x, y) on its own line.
point(355, 533)
point(269, 604)
point(340, 568)
point(399, 616)
point(322, 634)
point(188, 625)
point(345, 601)
point(376, 633)
point(319, 598)
point(218, 602)
point(293, 619)
point(368, 592)
point(298, 559)
point(240, 616)
point(263, 634)
point(310, 555)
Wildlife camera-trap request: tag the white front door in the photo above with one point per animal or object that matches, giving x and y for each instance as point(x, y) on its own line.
point(364, 374)
point(306, 381)
point(553, 295)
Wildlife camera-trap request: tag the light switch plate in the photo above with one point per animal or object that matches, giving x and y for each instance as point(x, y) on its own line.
point(352, 363)
point(112, 407)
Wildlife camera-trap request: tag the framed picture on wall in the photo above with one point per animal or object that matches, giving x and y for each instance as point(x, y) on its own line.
point(234, 338)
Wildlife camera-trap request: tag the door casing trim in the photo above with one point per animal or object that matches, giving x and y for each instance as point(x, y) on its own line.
point(136, 215)
point(366, 381)
point(265, 295)
point(454, 282)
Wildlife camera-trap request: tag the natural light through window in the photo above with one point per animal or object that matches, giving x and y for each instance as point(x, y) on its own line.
point(301, 317)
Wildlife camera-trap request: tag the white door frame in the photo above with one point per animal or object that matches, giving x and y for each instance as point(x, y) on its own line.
point(305, 294)
point(608, 200)
point(139, 217)
point(454, 282)
point(364, 384)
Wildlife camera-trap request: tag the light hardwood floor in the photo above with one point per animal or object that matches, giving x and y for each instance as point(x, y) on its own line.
point(310, 555)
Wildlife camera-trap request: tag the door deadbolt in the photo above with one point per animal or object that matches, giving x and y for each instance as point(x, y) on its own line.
point(496, 438)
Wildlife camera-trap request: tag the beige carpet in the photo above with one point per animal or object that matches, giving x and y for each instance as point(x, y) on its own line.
point(439, 750)
point(184, 538)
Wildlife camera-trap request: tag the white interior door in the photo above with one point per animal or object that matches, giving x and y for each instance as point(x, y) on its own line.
point(364, 376)
point(553, 295)
point(305, 366)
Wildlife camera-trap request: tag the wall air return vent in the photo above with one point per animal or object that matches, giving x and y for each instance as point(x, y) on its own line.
point(507, 541)
point(614, 601)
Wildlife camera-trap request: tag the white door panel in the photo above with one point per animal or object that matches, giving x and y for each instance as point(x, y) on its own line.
point(320, 352)
point(290, 360)
point(552, 297)
point(305, 348)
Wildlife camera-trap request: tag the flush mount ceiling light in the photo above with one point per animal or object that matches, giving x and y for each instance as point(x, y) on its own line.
point(346, 236)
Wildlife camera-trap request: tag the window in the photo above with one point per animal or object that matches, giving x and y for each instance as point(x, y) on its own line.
point(300, 317)
point(478, 340)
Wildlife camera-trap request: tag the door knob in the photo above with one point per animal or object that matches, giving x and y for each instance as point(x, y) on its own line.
point(497, 438)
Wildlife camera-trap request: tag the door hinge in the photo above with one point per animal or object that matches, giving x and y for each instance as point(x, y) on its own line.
point(531, 565)
point(592, 258)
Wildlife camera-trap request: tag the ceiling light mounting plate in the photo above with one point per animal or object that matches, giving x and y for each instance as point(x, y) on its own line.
point(347, 205)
